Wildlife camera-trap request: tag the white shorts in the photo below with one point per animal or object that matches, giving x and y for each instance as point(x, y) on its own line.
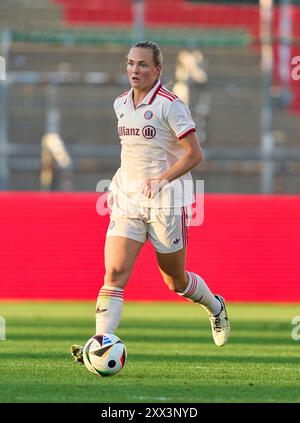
point(166, 228)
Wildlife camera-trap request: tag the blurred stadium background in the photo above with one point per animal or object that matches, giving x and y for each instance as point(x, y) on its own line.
point(232, 61)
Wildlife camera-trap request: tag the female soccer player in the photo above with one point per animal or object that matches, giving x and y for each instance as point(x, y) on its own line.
point(152, 193)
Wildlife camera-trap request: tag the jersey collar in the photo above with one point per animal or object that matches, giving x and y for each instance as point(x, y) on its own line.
point(150, 96)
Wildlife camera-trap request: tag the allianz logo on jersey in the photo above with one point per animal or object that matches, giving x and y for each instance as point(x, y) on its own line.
point(123, 131)
point(148, 131)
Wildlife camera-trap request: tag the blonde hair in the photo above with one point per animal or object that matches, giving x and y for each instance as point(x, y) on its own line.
point(156, 51)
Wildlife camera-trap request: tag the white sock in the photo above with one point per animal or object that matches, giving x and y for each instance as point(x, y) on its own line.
point(109, 309)
point(198, 291)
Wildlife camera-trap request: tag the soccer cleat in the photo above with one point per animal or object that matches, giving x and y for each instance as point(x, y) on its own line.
point(220, 326)
point(76, 353)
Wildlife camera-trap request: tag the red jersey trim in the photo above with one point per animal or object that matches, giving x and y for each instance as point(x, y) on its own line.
point(166, 96)
point(165, 93)
point(168, 93)
point(186, 133)
point(154, 94)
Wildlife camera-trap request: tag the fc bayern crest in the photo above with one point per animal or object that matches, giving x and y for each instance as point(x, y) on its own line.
point(148, 114)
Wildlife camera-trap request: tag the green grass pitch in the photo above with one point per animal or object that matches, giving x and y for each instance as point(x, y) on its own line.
point(171, 355)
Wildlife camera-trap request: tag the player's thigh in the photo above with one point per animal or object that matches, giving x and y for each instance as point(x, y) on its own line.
point(120, 254)
point(168, 234)
point(168, 230)
point(172, 265)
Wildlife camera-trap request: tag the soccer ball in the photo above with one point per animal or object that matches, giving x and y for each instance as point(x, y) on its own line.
point(104, 354)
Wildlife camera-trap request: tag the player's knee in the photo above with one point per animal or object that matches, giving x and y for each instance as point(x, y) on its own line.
point(116, 276)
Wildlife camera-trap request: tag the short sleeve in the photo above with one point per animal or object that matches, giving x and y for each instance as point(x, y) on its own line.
point(180, 120)
point(115, 107)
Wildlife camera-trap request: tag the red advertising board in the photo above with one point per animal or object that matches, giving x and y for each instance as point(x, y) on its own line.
point(51, 247)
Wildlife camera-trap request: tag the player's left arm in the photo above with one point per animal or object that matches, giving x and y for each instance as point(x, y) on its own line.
point(191, 158)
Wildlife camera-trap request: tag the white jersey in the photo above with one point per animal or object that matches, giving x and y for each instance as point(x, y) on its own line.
point(150, 137)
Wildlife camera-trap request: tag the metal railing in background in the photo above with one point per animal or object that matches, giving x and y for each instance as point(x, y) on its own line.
point(53, 148)
point(224, 158)
point(5, 43)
